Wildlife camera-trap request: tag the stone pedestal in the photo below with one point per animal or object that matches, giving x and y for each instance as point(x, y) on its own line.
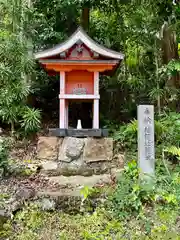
point(76, 156)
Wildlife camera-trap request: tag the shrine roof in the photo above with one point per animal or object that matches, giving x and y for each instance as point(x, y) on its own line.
point(77, 61)
point(79, 35)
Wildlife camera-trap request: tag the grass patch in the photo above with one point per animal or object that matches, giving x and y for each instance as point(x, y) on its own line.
point(131, 211)
point(31, 224)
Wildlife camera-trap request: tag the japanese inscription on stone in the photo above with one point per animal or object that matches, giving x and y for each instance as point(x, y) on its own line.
point(146, 138)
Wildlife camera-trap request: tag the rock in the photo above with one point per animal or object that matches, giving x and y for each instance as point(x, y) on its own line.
point(70, 193)
point(98, 150)
point(47, 148)
point(119, 160)
point(33, 167)
point(15, 206)
point(67, 200)
point(49, 166)
point(79, 167)
point(1, 140)
point(11, 206)
point(1, 173)
point(3, 217)
point(16, 202)
point(76, 156)
point(71, 149)
point(74, 148)
point(81, 181)
point(25, 194)
point(47, 204)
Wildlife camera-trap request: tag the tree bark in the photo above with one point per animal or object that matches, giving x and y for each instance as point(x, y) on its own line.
point(85, 16)
point(170, 52)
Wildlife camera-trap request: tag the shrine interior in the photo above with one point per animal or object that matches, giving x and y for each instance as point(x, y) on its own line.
point(80, 110)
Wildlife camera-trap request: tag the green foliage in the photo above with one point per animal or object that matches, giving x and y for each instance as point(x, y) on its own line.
point(34, 224)
point(148, 75)
point(16, 65)
point(13, 109)
point(135, 210)
point(30, 120)
point(173, 150)
point(31, 223)
point(172, 153)
point(132, 195)
point(4, 154)
point(86, 192)
point(144, 76)
point(174, 67)
point(166, 132)
point(129, 195)
point(89, 201)
point(170, 123)
point(127, 134)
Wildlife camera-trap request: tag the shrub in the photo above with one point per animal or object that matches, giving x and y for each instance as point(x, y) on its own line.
point(127, 135)
point(16, 66)
point(14, 111)
point(31, 223)
point(170, 123)
point(131, 195)
point(166, 132)
point(30, 120)
point(4, 153)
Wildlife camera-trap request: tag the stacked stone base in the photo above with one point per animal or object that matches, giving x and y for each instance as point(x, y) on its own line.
point(76, 156)
point(69, 164)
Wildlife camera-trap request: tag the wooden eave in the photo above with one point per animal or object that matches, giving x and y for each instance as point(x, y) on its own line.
point(89, 65)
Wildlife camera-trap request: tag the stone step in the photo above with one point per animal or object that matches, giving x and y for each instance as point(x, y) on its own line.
point(49, 168)
point(72, 185)
point(53, 168)
point(76, 181)
point(68, 196)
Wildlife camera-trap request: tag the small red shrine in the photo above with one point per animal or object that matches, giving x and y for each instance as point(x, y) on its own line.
point(79, 61)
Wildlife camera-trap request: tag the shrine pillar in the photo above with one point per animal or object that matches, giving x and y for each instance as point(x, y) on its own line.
point(66, 114)
point(62, 103)
point(96, 101)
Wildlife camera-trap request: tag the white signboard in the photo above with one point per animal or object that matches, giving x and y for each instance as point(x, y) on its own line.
point(146, 152)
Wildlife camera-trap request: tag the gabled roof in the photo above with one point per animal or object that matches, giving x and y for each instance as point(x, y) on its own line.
point(79, 35)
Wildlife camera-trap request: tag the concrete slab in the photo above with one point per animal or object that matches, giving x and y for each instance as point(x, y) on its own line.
point(57, 132)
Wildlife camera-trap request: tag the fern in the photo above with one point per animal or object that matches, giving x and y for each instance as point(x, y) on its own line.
point(174, 151)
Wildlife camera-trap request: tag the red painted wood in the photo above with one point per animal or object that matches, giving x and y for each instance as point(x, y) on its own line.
point(73, 53)
point(79, 79)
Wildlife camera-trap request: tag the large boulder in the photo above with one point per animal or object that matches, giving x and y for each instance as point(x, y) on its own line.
point(71, 149)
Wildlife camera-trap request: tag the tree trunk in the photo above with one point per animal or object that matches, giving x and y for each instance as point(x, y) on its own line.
point(12, 128)
point(170, 52)
point(85, 16)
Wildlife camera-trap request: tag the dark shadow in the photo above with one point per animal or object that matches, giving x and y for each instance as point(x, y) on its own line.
point(80, 110)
